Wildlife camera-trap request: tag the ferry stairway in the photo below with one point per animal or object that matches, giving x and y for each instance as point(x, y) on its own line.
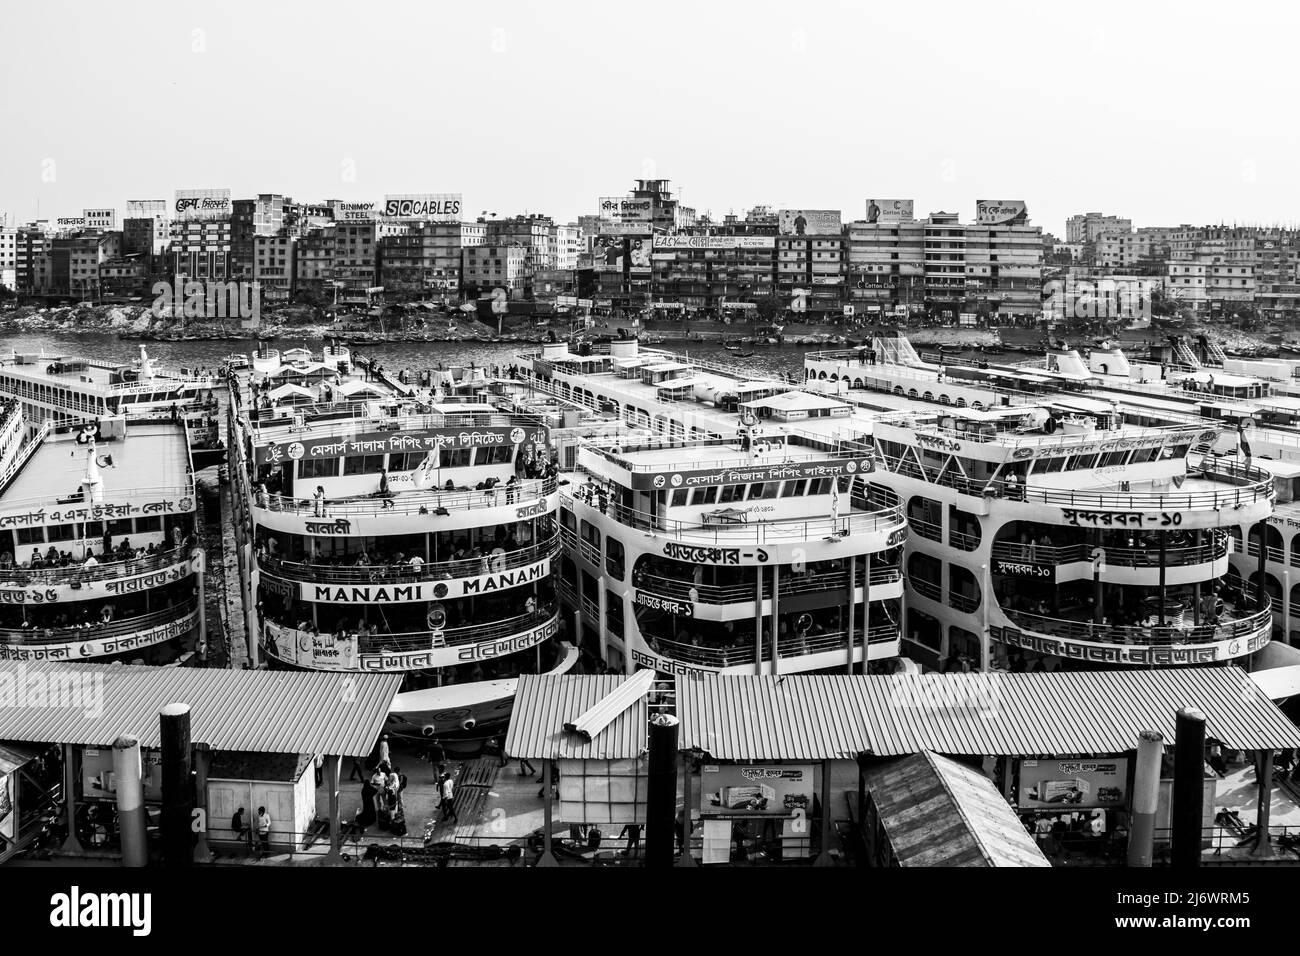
point(1214, 354)
point(1184, 355)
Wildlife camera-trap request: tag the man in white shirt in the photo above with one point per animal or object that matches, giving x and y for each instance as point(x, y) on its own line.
point(448, 804)
point(416, 563)
point(263, 829)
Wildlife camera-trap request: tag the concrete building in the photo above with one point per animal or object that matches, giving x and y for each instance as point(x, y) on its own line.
point(568, 246)
point(536, 233)
point(817, 266)
point(1004, 267)
point(493, 266)
point(126, 277)
point(32, 258)
point(886, 264)
point(9, 257)
point(275, 262)
point(357, 256)
point(1089, 226)
point(146, 227)
point(708, 273)
point(251, 218)
point(201, 248)
point(426, 262)
point(314, 262)
point(75, 262)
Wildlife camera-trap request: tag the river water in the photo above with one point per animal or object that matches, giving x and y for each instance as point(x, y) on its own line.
point(766, 360)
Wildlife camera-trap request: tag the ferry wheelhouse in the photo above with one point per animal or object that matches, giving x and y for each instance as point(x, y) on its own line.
point(68, 388)
point(742, 531)
point(397, 527)
point(98, 554)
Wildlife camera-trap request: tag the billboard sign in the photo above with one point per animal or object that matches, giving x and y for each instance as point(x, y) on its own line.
point(677, 243)
point(623, 209)
point(889, 210)
point(809, 222)
point(145, 208)
point(999, 212)
point(101, 218)
point(748, 790)
point(621, 253)
point(423, 207)
point(202, 204)
point(356, 211)
point(1057, 784)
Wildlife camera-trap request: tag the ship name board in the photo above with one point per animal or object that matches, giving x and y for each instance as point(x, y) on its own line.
point(1095, 653)
point(665, 666)
point(1122, 519)
point(786, 471)
point(1023, 569)
point(99, 648)
point(380, 443)
point(656, 603)
point(416, 591)
point(95, 512)
point(1066, 447)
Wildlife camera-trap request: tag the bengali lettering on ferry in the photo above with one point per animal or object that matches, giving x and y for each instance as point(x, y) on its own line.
point(104, 647)
point(95, 512)
point(379, 443)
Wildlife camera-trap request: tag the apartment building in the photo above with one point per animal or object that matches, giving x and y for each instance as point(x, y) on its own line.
point(275, 263)
point(1090, 226)
point(426, 261)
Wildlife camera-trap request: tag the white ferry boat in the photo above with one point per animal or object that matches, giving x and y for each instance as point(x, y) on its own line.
point(397, 527)
point(742, 531)
point(98, 554)
point(65, 388)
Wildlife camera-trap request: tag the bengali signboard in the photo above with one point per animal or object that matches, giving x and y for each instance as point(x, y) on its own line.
point(145, 208)
point(380, 443)
point(74, 514)
point(1023, 569)
point(747, 790)
point(194, 204)
point(809, 222)
point(1165, 439)
point(889, 210)
point(1058, 784)
point(102, 647)
point(1001, 212)
point(668, 605)
point(643, 657)
point(624, 210)
point(54, 591)
point(1091, 652)
point(786, 471)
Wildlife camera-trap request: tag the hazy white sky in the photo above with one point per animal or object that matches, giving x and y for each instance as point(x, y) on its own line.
point(1165, 112)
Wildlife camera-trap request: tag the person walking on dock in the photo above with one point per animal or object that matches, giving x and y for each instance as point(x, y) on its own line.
point(448, 804)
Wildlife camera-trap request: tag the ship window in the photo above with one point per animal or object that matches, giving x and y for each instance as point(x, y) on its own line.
point(614, 559)
point(614, 613)
point(496, 455)
point(405, 460)
point(680, 496)
point(567, 520)
point(318, 468)
point(1113, 458)
point(59, 532)
point(819, 486)
point(363, 464)
point(770, 489)
point(456, 457)
point(1082, 462)
point(729, 493)
point(1145, 454)
point(31, 535)
point(756, 490)
point(153, 523)
point(120, 526)
point(791, 489)
point(1046, 465)
point(706, 496)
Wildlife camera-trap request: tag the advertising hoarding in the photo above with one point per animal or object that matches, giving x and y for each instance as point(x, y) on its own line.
point(676, 243)
point(356, 211)
point(194, 204)
point(621, 253)
point(422, 207)
point(1054, 784)
point(809, 222)
point(624, 209)
point(998, 212)
point(889, 210)
point(755, 790)
point(101, 218)
point(784, 471)
point(145, 208)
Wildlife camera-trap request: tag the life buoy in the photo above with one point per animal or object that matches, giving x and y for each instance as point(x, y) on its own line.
point(437, 617)
point(1049, 426)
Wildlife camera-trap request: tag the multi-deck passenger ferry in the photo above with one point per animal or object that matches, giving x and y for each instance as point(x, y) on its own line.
point(98, 554)
point(397, 523)
point(742, 530)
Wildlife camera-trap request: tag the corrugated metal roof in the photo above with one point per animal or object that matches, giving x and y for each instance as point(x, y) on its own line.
point(264, 711)
point(545, 702)
point(937, 812)
point(828, 717)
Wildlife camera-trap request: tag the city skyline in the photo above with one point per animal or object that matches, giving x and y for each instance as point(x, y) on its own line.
point(503, 102)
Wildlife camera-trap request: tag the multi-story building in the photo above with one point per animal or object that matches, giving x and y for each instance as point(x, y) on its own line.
point(263, 216)
point(1089, 226)
point(75, 262)
point(1004, 267)
point(146, 228)
point(127, 276)
point(32, 257)
point(1122, 251)
point(536, 233)
point(708, 272)
point(275, 266)
point(491, 266)
point(816, 265)
point(357, 256)
point(886, 264)
point(426, 262)
point(568, 246)
point(8, 257)
point(1277, 283)
point(201, 248)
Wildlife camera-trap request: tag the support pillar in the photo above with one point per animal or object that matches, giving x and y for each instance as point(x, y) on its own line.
point(661, 792)
point(333, 768)
point(71, 772)
point(177, 786)
point(131, 824)
point(1263, 560)
point(866, 609)
point(758, 620)
point(685, 859)
point(1146, 795)
point(1196, 585)
point(547, 858)
point(1264, 806)
point(824, 857)
point(1189, 788)
point(202, 762)
point(1161, 536)
point(776, 612)
point(850, 604)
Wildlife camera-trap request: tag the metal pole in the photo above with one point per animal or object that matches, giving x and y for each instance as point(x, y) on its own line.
point(71, 764)
point(1146, 795)
point(776, 620)
point(1161, 535)
point(547, 858)
point(1264, 806)
point(661, 792)
point(177, 786)
point(1196, 585)
point(130, 801)
point(848, 618)
point(1189, 788)
point(202, 761)
point(824, 857)
point(758, 620)
point(686, 859)
point(866, 609)
point(1263, 558)
point(332, 775)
